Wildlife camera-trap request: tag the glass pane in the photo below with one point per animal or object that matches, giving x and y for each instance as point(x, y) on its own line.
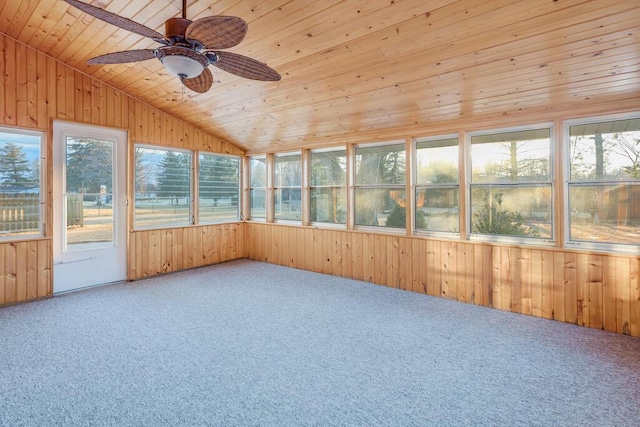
point(162, 187)
point(19, 183)
point(437, 209)
point(287, 171)
point(512, 156)
point(287, 203)
point(380, 207)
point(437, 162)
point(219, 188)
point(605, 151)
point(257, 199)
point(89, 187)
point(380, 165)
point(258, 172)
point(605, 213)
point(522, 211)
point(329, 204)
point(329, 168)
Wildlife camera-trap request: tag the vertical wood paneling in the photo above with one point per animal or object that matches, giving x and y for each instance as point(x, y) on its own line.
point(10, 268)
point(547, 285)
point(22, 92)
point(536, 282)
point(595, 291)
point(582, 283)
point(609, 312)
point(3, 275)
point(634, 297)
point(31, 261)
point(623, 295)
point(3, 86)
point(34, 90)
point(570, 288)
point(558, 286)
point(162, 251)
point(588, 289)
point(369, 262)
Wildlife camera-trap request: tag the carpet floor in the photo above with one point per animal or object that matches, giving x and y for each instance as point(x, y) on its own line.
point(252, 344)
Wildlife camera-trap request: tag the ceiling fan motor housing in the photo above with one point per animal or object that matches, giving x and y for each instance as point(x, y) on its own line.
point(175, 29)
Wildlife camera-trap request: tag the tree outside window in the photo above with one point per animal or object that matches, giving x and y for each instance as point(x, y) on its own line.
point(604, 182)
point(328, 186)
point(163, 187)
point(218, 188)
point(257, 187)
point(437, 185)
point(380, 195)
point(287, 186)
point(511, 184)
point(20, 183)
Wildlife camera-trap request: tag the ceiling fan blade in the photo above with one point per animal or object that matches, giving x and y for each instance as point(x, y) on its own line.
point(123, 57)
point(116, 20)
point(244, 66)
point(217, 32)
point(200, 84)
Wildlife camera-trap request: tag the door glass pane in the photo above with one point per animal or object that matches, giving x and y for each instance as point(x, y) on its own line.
point(88, 196)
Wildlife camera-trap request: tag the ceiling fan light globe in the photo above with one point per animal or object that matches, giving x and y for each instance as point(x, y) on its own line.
point(182, 66)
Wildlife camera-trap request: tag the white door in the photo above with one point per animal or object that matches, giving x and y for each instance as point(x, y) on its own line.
point(89, 206)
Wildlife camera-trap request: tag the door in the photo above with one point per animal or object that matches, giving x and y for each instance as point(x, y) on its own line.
point(89, 206)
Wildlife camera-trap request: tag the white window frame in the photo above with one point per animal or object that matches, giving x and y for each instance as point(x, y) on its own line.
point(469, 185)
point(192, 194)
point(287, 187)
point(339, 225)
point(40, 232)
point(417, 187)
point(356, 186)
point(613, 247)
point(196, 193)
point(265, 188)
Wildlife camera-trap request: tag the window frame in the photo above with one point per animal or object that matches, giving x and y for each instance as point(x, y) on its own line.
point(340, 225)
point(551, 184)
point(196, 193)
point(417, 187)
point(391, 187)
point(275, 187)
point(192, 195)
point(42, 187)
point(592, 246)
point(265, 189)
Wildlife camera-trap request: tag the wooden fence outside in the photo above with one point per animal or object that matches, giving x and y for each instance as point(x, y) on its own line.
point(19, 212)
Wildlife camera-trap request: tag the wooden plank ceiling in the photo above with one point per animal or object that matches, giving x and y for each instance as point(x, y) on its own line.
point(361, 68)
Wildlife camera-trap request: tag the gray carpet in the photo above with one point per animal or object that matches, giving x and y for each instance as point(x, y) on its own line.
point(253, 344)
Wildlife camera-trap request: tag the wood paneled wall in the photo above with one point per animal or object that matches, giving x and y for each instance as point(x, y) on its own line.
point(154, 252)
point(25, 271)
point(35, 89)
point(594, 290)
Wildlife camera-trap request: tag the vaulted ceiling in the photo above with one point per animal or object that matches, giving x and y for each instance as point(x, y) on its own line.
point(360, 68)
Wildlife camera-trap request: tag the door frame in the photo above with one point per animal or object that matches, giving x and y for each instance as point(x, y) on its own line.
point(66, 263)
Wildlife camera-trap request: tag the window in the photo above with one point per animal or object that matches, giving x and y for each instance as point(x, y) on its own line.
point(604, 182)
point(257, 187)
point(20, 183)
point(218, 188)
point(287, 186)
point(380, 193)
point(437, 185)
point(327, 190)
point(511, 184)
point(162, 187)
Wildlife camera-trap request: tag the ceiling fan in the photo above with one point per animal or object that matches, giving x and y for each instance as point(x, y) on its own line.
point(189, 47)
